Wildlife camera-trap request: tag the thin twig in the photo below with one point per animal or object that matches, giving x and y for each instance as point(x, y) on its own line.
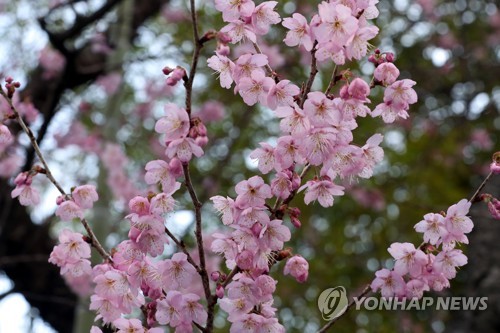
point(351, 303)
point(483, 184)
point(48, 173)
point(182, 246)
point(333, 81)
point(268, 67)
point(312, 75)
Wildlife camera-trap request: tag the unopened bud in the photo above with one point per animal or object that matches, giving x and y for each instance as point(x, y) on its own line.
point(219, 291)
point(215, 276)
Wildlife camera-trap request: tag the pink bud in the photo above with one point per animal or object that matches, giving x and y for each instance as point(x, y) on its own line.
point(344, 94)
point(295, 221)
point(167, 70)
point(175, 166)
point(172, 81)
point(494, 208)
point(201, 141)
point(215, 276)
point(60, 199)
point(219, 291)
point(389, 56)
point(223, 50)
point(256, 229)
point(224, 38)
point(9, 79)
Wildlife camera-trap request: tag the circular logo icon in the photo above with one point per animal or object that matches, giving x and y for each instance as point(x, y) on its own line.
point(332, 302)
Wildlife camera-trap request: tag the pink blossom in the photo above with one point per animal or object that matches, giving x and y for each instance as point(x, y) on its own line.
point(224, 206)
point(389, 283)
point(107, 310)
point(175, 123)
point(5, 135)
point(158, 171)
point(297, 267)
point(408, 259)
point(128, 325)
point(318, 146)
point(300, 33)
point(415, 288)
point(85, 196)
point(359, 89)
point(263, 16)
point(193, 310)
point(372, 154)
point(387, 73)
point(112, 284)
point(494, 208)
point(236, 307)
point(389, 112)
point(281, 186)
point(95, 329)
point(287, 152)
point(321, 190)
point(433, 228)
point(237, 30)
point(162, 204)
point(169, 310)
point(447, 261)
point(27, 194)
point(274, 234)
point(177, 272)
point(252, 192)
point(69, 210)
point(224, 66)
point(234, 9)
point(401, 94)
point(248, 63)
point(321, 110)
point(255, 88)
point(294, 121)
point(183, 149)
point(456, 221)
point(495, 167)
point(358, 45)
point(338, 25)
point(265, 157)
point(282, 94)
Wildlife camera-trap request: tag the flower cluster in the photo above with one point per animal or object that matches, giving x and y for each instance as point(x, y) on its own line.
point(71, 207)
point(431, 265)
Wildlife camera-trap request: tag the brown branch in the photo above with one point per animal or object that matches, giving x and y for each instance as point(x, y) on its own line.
point(483, 184)
point(48, 173)
point(182, 246)
point(312, 75)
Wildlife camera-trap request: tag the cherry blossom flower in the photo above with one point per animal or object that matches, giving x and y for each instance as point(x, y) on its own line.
point(69, 210)
point(300, 33)
point(224, 206)
point(85, 196)
point(234, 9)
point(27, 194)
point(389, 283)
point(297, 267)
point(252, 192)
point(447, 261)
point(372, 154)
point(265, 157)
point(294, 121)
point(177, 271)
point(128, 325)
point(5, 135)
point(433, 228)
point(183, 149)
point(263, 16)
point(338, 25)
point(401, 94)
point(255, 88)
point(457, 222)
point(282, 94)
point(175, 123)
point(321, 110)
point(237, 30)
point(224, 66)
point(321, 190)
point(408, 259)
point(387, 73)
point(358, 45)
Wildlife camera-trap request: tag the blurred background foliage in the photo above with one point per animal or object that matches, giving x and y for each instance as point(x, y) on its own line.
point(432, 160)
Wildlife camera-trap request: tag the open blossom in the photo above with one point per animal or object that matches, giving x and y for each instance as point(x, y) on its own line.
point(387, 73)
point(237, 30)
point(234, 9)
point(158, 171)
point(389, 112)
point(300, 33)
point(224, 206)
point(447, 261)
point(27, 194)
point(433, 228)
point(69, 210)
point(247, 64)
point(183, 149)
point(320, 110)
point(128, 325)
point(294, 121)
point(338, 25)
point(408, 259)
point(255, 88)
point(224, 66)
point(282, 94)
point(401, 94)
point(358, 45)
point(457, 222)
point(297, 267)
point(389, 283)
point(321, 190)
point(5, 135)
point(263, 16)
point(252, 192)
point(177, 272)
point(85, 196)
point(265, 156)
point(175, 123)
point(372, 154)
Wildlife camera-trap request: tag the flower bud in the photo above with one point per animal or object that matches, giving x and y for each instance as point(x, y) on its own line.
point(215, 276)
point(219, 291)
